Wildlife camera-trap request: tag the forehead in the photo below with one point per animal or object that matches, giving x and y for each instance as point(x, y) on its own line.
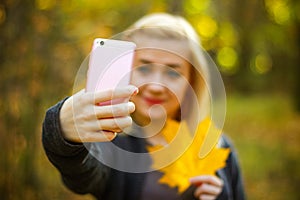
point(172, 47)
point(151, 55)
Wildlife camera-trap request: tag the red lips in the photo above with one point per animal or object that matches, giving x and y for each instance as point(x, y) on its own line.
point(152, 101)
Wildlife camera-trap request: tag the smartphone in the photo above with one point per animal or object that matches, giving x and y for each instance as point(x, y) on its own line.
point(110, 64)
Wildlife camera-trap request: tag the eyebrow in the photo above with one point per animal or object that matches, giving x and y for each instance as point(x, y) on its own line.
point(172, 65)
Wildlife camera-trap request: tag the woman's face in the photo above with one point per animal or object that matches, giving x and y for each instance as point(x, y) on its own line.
point(163, 78)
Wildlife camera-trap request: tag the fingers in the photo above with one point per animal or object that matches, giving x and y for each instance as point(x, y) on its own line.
point(207, 179)
point(209, 187)
point(207, 197)
point(83, 120)
point(101, 136)
point(102, 131)
point(117, 110)
point(114, 124)
point(105, 129)
point(117, 93)
point(206, 190)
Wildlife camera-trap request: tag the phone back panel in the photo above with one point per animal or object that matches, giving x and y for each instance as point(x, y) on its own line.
point(109, 65)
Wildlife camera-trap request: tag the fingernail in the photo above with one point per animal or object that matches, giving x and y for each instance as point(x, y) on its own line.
point(136, 91)
point(131, 106)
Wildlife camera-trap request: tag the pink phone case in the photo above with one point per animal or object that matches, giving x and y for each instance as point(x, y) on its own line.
point(109, 65)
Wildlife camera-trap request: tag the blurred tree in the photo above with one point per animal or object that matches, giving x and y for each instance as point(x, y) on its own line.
point(296, 34)
point(254, 43)
point(297, 69)
point(18, 103)
point(31, 42)
point(175, 7)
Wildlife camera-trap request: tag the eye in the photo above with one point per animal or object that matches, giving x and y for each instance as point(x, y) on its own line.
point(173, 73)
point(144, 69)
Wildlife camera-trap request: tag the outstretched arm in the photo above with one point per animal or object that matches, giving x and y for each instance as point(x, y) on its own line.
point(62, 137)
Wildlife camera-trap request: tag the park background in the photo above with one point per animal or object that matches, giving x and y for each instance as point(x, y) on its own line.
point(255, 43)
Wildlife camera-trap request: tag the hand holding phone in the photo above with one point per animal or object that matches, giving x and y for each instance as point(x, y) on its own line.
point(110, 65)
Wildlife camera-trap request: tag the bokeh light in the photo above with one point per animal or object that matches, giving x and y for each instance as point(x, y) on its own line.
point(278, 10)
point(196, 6)
point(207, 27)
point(261, 64)
point(45, 4)
point(228, 35)
point(227, 59)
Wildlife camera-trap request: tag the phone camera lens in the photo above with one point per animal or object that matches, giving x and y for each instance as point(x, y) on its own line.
point(102, 42)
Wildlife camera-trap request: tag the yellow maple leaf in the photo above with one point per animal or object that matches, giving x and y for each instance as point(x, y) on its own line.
point(186, 147)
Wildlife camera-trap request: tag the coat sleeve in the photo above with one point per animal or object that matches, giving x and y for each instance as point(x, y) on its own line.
point(80, 171)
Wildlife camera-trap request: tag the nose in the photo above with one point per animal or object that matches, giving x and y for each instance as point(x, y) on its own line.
point(156, 83)
point(157, 77)
point(155, 88)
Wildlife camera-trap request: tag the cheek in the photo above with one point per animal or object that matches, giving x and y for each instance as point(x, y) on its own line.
point(178, 91)
point(137, 80)
point(136, 101)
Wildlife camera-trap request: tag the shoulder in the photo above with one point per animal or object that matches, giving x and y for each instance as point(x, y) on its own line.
point(225, 142)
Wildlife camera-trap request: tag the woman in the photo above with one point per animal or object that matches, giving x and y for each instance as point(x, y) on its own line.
point(169, 86)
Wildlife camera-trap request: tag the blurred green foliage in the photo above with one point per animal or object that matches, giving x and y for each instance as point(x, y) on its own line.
point(256, 45)
point(266, 132)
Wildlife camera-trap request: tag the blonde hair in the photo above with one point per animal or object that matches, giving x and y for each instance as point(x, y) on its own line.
point(167, 26)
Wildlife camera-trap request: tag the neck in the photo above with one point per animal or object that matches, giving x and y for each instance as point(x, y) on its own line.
point(153, 132)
